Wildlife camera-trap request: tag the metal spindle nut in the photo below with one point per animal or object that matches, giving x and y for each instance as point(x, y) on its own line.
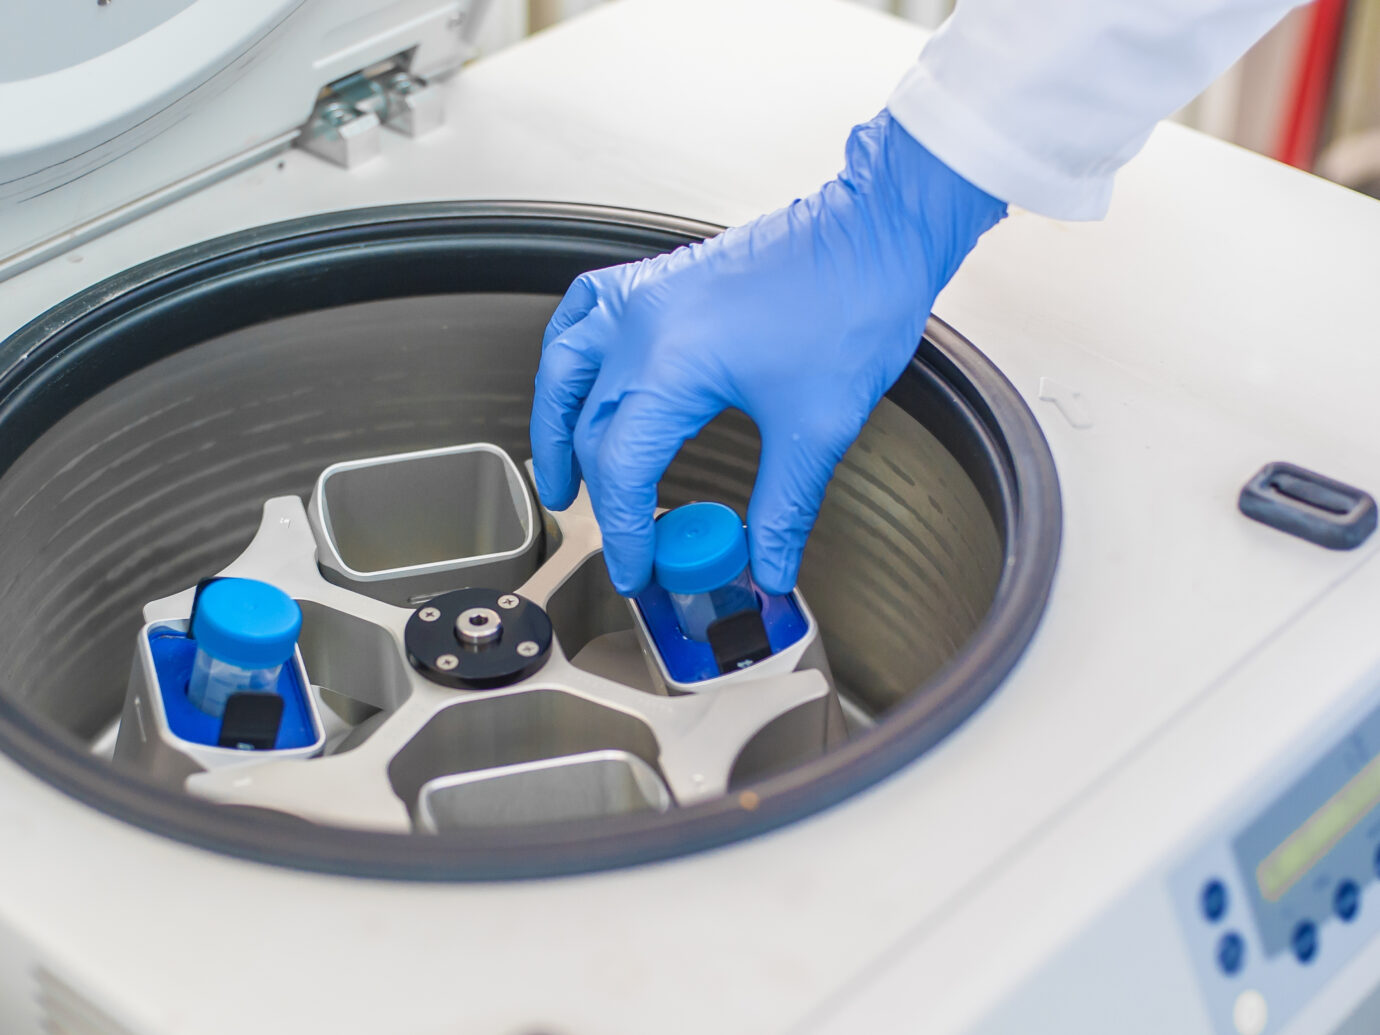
point(478, 625)
point(475, 642)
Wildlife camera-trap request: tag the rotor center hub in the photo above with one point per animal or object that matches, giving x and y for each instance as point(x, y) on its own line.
point(478, 638)
point(477, 626)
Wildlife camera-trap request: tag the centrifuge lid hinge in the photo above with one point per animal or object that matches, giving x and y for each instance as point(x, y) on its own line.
point(344, 125)
point(113, 110)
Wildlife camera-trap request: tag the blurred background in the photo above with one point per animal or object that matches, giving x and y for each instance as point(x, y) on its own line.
point(1307, 94)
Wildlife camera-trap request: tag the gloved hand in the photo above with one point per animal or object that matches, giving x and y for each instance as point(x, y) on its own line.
point(802, 319)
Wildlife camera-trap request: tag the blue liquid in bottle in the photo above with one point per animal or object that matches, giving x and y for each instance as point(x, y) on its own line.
point(702, 563)
point(245, 632)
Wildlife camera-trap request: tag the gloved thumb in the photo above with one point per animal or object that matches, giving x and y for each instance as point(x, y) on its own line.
point(643, 436)
point(792, 475)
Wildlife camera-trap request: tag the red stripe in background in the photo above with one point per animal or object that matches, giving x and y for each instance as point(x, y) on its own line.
point(1298, 143)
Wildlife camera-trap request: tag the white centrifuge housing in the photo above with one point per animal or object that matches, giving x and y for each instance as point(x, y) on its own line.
point(1052, 752)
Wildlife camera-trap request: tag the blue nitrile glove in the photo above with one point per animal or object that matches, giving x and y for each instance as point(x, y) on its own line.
point(802, 319)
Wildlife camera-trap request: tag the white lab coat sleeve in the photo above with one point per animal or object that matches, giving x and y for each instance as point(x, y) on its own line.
point(1039, 102)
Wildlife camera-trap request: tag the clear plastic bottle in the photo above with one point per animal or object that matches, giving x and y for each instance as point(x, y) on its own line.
point(245, 632)
point(702, 563)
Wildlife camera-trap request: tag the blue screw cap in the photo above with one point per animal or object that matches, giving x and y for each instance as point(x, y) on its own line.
point(699, 547)
point(246, 623)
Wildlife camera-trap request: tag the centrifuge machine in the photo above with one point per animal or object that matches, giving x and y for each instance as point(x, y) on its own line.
point(1078, 726)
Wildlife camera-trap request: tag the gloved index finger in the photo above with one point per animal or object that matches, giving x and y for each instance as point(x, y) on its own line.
point(579, 299)
point(792, 476)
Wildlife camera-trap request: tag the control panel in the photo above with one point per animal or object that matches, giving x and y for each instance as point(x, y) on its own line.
point(1271, 907)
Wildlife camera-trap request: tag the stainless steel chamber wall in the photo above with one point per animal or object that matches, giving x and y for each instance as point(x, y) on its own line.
point(143, 424)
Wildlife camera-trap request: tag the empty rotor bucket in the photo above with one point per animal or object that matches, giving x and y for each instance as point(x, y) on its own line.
point(587, 786)
point(405, 527)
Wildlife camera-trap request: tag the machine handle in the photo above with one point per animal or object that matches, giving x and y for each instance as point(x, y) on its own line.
point(1298, 501)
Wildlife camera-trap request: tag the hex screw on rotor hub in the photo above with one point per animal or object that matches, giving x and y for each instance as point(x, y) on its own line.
point(478, 638)
point(478, 625)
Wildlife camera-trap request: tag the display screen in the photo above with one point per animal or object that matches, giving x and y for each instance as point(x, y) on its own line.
point(1301, 850)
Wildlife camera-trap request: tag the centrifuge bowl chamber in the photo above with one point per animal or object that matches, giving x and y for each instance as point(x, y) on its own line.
point(144, 422)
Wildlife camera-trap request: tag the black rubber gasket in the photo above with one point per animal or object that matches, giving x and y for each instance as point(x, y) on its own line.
point(64, 357)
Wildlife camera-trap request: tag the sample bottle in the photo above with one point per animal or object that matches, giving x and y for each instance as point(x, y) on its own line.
point(702, 562)
point(245, 631)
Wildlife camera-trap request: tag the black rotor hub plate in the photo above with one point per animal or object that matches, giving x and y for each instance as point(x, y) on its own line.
point(438, 652)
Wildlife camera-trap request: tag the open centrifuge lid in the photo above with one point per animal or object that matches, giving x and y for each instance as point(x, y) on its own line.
point(114, 107)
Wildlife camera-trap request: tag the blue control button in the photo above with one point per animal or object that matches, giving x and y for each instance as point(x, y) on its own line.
point(1231, 952)
point(1214, 900)
point(1347, 900)
point(1305, 941)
